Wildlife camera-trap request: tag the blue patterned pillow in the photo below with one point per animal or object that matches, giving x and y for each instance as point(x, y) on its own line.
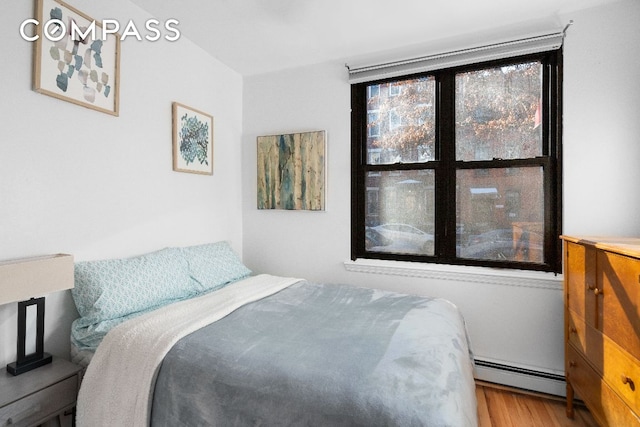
point(214, 265)
point(110, 289)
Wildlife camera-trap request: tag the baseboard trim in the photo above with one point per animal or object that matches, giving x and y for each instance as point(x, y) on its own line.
point(520, 377)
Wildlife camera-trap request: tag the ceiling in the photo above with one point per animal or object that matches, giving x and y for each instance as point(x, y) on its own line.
point(259, 36)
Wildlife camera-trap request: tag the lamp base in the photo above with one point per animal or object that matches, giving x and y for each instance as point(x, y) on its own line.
point(16, 368)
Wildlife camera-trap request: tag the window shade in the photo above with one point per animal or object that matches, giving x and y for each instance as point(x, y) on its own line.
point(456, 58)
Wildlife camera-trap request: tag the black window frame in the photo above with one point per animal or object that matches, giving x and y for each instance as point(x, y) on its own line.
point(445, 166)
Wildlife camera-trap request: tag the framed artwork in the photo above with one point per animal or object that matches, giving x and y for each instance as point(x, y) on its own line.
point(74, 61)
point(192, 140)
point(291, 171)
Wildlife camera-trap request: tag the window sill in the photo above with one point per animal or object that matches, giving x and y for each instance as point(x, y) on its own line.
point(523, 278)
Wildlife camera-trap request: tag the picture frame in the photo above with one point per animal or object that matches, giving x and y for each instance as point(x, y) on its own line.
point(80, 67)
point(291, 171)
point(192, 140)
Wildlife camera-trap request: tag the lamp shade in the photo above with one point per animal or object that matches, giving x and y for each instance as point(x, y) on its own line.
point(24, 278)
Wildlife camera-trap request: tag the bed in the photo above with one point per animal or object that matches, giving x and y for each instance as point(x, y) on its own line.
point(224, 347)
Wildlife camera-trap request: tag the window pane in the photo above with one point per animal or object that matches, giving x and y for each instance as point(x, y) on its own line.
point(498, 112)
point(400, 212)
point(401, 121)
point(500, 214)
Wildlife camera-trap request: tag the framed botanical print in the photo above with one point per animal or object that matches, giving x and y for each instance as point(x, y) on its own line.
point(192, 140)
point(74, 59)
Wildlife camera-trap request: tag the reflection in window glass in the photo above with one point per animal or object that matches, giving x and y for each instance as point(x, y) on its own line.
point(400, 212)
point(401, 121)
point(500, 214)
point(498, 112)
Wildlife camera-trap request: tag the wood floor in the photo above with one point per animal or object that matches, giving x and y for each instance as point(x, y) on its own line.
point(503, 407)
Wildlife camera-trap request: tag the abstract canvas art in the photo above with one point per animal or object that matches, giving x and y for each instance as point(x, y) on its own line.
point(80, 66)
point(192, 140)
point(291, 171)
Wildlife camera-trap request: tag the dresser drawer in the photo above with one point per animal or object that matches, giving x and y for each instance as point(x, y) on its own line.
point(605, 405)
point(622, 373)
point(580, 279)
point(619, 369)
point(40, 405)
point(619, 312)
point(585, 339)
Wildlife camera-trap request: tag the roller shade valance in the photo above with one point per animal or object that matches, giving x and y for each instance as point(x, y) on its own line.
point(525, 46)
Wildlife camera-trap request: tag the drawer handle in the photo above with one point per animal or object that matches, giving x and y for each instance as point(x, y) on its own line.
point(572, 364)
point(23, 415)
point(626, 380)
point(598, 291)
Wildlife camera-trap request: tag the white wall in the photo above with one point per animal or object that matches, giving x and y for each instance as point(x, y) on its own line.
point(518, 325)
point(601, 126)
point(79, 181)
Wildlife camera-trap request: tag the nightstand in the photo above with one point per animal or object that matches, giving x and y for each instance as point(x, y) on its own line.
point(36, 396)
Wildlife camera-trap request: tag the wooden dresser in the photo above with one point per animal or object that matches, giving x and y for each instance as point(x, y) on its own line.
point(602, 327)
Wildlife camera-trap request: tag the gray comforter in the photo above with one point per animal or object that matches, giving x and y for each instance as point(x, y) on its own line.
point(322, 355)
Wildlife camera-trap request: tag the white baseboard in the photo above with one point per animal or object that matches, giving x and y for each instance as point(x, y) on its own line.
point(524, 378)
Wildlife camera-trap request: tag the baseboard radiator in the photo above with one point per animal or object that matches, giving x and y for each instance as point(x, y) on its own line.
point(524, 378)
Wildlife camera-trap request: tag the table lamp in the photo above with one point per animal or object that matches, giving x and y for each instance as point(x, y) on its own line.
point(26, 280)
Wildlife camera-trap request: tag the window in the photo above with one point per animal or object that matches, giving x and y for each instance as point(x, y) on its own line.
point(373, 124)
point(394, 90)
point(466, 167)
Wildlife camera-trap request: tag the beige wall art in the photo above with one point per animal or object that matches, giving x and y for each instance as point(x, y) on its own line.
point(291, 171)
